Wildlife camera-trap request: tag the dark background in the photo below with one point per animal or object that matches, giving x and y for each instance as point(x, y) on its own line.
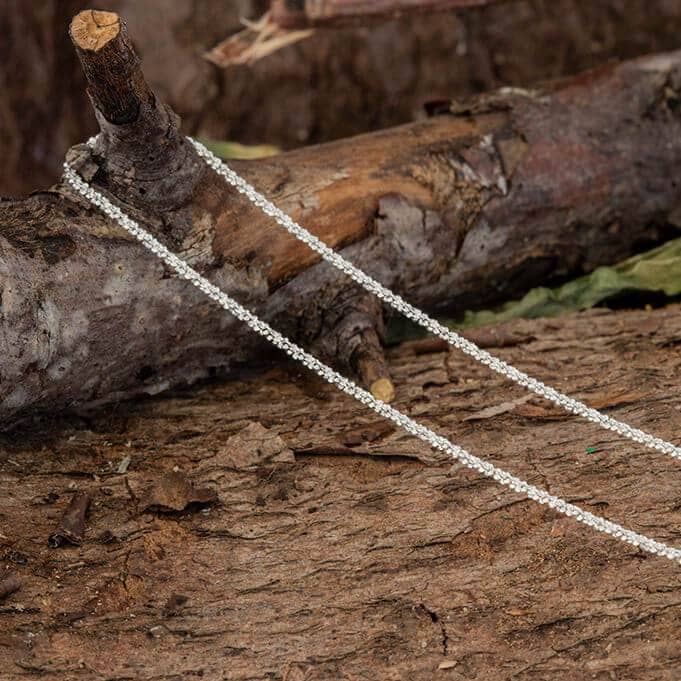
point(340, 82)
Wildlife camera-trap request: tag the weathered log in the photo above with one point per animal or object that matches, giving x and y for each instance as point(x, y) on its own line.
point(297, 13)
point(340, 548)
point(465, 209)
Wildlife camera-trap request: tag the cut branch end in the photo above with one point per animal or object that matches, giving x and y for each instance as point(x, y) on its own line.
point(92, 29)
point(140, 136)
point(112, 68)
point(383, 389)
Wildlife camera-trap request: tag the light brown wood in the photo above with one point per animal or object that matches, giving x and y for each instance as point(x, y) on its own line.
point(93, 29)
point(383, 389)
point(339, 192)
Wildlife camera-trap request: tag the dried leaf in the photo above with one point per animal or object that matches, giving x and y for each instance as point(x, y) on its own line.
point(124, 465)
point(601, 400)
point(173, 492)
point(368, 433)
point(8, 586)
point(535, 411)
point(609, 399)
point(227, 149)
point(174, 605)
point(657, 270)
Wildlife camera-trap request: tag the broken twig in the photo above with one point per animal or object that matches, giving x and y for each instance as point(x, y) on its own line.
point(259, 39)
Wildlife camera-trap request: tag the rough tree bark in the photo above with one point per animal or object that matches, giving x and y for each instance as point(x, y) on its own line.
point(339, 548)
point(461, 210)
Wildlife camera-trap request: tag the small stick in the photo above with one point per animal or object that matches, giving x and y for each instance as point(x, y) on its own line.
point(370, 365)
point(116, 83)
point(145, 158)
point(71, 529)
point(351, 335)
point(8, 586)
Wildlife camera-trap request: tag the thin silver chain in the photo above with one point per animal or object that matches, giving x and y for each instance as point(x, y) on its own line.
point(422, 319)
point(422, 432)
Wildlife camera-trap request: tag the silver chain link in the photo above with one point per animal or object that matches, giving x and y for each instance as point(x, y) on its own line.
point(422, 319)
point(413, 427)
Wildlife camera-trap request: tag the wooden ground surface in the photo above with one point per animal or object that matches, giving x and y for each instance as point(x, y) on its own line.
point(341, 549)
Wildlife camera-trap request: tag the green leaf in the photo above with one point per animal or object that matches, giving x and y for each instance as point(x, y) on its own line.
point(658, 270)
point(655, 271)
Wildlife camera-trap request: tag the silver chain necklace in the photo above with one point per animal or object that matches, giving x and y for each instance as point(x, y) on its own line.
point(437, 442)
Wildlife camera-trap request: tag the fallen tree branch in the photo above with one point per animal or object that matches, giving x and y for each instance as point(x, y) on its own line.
point(289, 22)
point(302, 13)
point(466, 209)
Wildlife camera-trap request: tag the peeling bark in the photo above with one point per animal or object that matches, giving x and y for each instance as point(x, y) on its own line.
point(343, 549)
point(458, 211)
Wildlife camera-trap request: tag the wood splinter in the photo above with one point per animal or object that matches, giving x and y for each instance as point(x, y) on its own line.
point(290, 21)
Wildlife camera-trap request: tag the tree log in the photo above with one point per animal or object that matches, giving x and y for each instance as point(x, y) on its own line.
point(298, 13)
point(465, 209)
point(341, 549)
point(288, 22)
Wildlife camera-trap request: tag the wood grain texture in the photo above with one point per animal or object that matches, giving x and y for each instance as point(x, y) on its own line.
point(91, 29)
point(340, 548)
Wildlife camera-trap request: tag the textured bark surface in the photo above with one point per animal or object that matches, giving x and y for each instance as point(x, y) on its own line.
point(341, 549)
point(515, 189)
point(335, 84)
